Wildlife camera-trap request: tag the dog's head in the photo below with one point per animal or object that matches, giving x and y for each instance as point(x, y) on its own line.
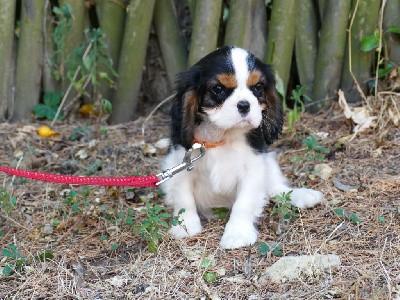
point(231, 89)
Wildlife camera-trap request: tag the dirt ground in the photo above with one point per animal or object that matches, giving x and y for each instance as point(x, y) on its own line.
point(92, 252)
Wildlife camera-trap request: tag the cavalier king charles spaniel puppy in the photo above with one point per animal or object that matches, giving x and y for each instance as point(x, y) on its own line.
point(228, 102)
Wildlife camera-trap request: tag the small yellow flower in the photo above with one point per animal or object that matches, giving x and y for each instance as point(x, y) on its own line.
point(45, 131)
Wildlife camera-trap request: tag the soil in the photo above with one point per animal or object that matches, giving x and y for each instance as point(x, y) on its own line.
point(93, 253)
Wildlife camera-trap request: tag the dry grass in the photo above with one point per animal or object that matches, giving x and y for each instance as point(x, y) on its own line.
point(86, 267)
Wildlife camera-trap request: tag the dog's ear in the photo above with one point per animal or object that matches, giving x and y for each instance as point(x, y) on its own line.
point(272, 115)
point(185, 109)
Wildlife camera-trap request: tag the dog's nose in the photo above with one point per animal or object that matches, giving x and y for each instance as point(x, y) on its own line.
point(243, 107)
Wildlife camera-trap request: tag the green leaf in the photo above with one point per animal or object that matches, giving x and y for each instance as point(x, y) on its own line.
point(369, 43)
point(103, 237)
point(114, 246)
point(221, 212)
point(393, 29)
point(2, 234)
point(381, 219)
point(46, 255)
point(129, 221)
point(296, 159)
point(277, 250)
point(75, 207)
point(339, 212)
point(8, 269)
point(206, 263)
point(210, 277)
point(152, 247)
point(354, 218)
point(263, 248)
point(88, 62)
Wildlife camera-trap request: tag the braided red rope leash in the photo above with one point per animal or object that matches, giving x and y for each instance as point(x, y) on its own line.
point(132, 181)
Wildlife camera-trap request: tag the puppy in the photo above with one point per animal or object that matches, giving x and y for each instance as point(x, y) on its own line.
point(228, 102)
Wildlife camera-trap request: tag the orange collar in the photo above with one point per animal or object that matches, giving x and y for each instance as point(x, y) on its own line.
point(209, 145)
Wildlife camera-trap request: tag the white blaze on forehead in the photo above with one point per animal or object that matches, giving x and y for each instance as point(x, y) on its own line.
point(239, 61)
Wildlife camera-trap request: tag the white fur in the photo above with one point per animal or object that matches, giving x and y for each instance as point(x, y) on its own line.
point(232, 175)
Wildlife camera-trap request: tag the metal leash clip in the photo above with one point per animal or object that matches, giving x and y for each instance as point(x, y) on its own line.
point(187, 163)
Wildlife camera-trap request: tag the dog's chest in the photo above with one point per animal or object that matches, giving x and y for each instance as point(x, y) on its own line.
point(219, 172)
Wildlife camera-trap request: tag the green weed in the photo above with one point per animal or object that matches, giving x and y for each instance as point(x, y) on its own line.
point(208, 276)
point(348, 216)
point(154, 225)
point(299, 97)
point(7, 202)
point(315, 152)
point(16, 261)
point(48, 110)
point(372, 43)
point(283, 208)
point(274, 248)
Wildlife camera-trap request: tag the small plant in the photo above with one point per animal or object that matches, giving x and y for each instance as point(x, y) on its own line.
point(315, 152)
point(16, 263)
point(372, 42)
point(48, 110)
point(298, 97)
point(274, 248)
point(208, 276)
point(7, 201)
point(283, 208)
point(348, 216)
point(221, 212)
point(154, 225)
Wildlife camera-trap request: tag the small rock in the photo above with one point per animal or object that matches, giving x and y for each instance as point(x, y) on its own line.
point(117, 281)
point(162, 144)
point(148, 149)
point(322, 134)
point(47, 229)
point(92, 144)
point(323, 170)
point(295, 268)
point(81, 154)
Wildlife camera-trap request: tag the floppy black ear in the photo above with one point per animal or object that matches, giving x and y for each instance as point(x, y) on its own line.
point(272, 116)
point(185, 108)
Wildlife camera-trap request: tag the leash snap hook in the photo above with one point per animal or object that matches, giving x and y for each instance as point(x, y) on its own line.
point(187, 163)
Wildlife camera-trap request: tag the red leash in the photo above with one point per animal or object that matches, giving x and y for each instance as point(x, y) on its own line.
point(132, 181)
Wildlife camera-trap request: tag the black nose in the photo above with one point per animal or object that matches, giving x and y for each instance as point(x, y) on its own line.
point(243, 107)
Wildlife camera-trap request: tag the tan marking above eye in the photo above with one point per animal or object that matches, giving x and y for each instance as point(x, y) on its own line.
point(228, 80)
point(254, 78)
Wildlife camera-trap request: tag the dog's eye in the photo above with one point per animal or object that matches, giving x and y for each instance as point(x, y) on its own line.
point(258, 89)
point(218, 89)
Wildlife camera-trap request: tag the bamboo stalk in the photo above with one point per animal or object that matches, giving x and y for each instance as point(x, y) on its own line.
point(306, 44)
point(281, 37)
point(392, 18)
point(259, 28)
point(132, 57)
point(238, 27)
point(112, 20)
point(7, 16)
point(75, 36)
point(357, 64)
point(330, 54)
point(170, 38)
point(205, 29)
point(29, 59)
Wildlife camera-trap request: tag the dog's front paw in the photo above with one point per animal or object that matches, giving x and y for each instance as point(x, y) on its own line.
point(190, 226)
point(238, 235)
point(305, 198)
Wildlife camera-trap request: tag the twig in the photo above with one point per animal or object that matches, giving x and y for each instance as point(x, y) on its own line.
point(350, 58)
point(153, 111)
point(389, 281)
point(70, 86)
point(380, 45)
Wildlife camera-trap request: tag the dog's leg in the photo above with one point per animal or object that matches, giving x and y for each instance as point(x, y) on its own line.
point(179, 194)
point(250, 199)
point(277, 184)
